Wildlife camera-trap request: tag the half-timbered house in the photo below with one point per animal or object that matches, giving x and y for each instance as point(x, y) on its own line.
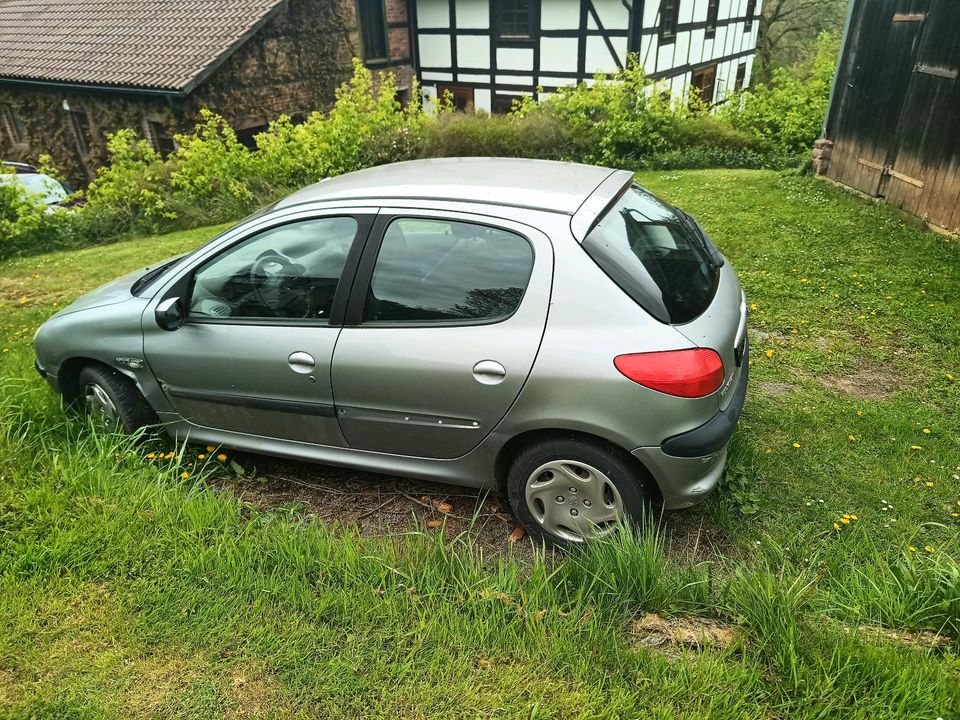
point(486, 53)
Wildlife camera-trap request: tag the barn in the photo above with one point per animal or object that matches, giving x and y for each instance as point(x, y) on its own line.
point(892, 129)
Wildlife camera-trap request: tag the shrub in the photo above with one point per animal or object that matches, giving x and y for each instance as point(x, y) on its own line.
point(129, 191)
point(624, 121)
point(28, 226)
point(788, 114)
point(537, 135)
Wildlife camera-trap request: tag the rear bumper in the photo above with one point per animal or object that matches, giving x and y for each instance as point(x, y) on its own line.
point(688, 466)
point(714, 434)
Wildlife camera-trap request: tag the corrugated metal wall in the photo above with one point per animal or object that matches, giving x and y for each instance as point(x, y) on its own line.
point(895, 118)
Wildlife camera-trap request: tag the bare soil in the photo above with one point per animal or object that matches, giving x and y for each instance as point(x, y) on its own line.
point(377, 505)
point(673, 636)
point(869, 380)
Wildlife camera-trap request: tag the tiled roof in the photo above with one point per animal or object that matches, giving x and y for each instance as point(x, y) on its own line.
point(157, 44)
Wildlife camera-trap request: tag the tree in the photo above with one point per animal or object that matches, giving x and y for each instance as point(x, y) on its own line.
point(788, 34)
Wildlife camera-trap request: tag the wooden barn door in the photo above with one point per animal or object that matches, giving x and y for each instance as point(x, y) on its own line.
point(923, 165)
point(875, 77)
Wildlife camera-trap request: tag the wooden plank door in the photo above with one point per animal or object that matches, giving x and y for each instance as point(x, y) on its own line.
point(875, 74)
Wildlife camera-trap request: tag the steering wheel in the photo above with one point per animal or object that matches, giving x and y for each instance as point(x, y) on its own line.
point(263, 277)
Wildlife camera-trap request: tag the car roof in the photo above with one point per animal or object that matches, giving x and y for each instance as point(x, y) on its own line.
point(19, 167)
point(537, 184)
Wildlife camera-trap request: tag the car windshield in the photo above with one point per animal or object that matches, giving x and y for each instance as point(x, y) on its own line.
point(656, 255)
point(50, 191)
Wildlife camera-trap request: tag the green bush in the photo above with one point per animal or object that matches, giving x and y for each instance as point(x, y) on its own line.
point(788, 115)
point(27, 226)
point(623, 121)
point(478, 134)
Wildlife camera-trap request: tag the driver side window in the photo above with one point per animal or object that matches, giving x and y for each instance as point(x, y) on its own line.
point(288, 272)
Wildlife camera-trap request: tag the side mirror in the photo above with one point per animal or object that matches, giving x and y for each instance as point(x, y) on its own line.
point(169, 314)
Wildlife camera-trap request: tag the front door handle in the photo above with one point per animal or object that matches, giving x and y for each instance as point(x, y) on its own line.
point(489, 372)
point(301, 362)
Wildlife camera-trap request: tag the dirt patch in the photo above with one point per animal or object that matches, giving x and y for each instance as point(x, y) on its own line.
point(869, 380)
point(157, 682)
point(674, 636)
point(376, 505)
point(918, 639)
point(776, 388)
point(252, 693)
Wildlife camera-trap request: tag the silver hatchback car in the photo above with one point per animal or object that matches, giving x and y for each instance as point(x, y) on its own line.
point(549, 330)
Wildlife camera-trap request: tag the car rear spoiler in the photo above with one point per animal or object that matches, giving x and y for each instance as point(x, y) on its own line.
point(605, 194)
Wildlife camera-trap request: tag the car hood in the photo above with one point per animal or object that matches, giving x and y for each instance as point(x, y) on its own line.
point(112, 292)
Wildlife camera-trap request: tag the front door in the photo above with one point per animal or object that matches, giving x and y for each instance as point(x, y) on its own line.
point(254, 354)
point(444, 324)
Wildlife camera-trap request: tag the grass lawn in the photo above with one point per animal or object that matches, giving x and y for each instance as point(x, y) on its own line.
point(826, 584)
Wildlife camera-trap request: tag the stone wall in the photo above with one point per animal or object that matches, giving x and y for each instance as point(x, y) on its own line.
point(291, 66)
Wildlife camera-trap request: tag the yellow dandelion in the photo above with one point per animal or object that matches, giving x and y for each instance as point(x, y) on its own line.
point(184, 474)
point(958, 503)
point(929, 484)
point(151, 456)
point(954, 514)
point(949, 376)
point(169, 455)
point(852, 438)
point(859, 413)
point(911, 548)
point(845, 520)
point(846, 516)
point(926, 431)
point(796, 444)
point(804, 280)
point(916, 447)
point(201, 456)
point(769, 353)
point(221, 457)
point(836, 527)
point(854, 517)
point(210, 448)
point(928, 548)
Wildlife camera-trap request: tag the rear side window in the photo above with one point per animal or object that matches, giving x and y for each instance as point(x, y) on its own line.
point(658, 257)
point(432, 270)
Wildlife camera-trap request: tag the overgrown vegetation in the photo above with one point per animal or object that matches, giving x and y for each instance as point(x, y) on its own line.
point(625, 121)
point(128, 590)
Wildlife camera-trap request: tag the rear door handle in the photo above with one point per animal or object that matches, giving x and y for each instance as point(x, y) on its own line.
point(489, 372)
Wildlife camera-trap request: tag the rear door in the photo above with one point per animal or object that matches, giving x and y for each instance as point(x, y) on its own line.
point(444, 323)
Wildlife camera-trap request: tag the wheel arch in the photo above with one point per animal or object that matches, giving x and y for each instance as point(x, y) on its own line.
point(518, 442)
point(68, 375)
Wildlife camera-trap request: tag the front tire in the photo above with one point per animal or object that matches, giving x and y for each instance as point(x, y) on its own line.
point(113, 400)
point(567, 490)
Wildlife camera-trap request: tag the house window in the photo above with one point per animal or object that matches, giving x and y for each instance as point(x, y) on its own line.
point(462, 97)
point(751, 11)
point(373, 30)
point(80, 122)
point(503, 104)
point(705, 80)
point(713, 10)
point(160, 138)
point(514, 18)
point(668, 19)
point(741, 77)
point(11, 125)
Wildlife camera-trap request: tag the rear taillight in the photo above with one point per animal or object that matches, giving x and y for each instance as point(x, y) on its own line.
point(683, 373)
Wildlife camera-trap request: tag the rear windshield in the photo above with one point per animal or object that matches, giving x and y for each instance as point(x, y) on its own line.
point(657, 255)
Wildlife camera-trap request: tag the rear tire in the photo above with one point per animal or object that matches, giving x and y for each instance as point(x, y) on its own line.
point(567, 490)
point(113, 400)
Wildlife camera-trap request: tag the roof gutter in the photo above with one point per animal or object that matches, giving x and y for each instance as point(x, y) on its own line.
point(836, 73)
point(90, 87)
